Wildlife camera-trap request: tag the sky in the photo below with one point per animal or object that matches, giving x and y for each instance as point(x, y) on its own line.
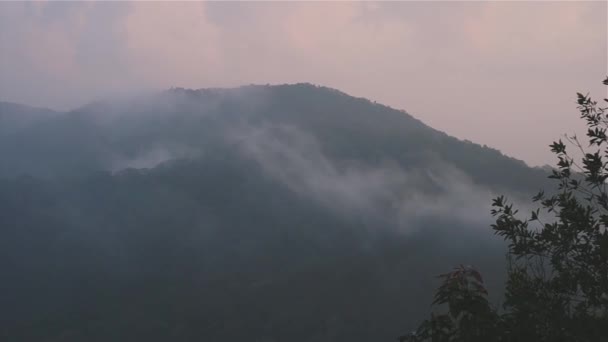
point(504, 73)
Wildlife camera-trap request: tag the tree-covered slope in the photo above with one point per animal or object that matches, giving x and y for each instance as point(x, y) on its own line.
point(182, 123)
point(272, 213)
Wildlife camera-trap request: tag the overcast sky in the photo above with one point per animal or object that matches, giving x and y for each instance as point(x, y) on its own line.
point(503, 74)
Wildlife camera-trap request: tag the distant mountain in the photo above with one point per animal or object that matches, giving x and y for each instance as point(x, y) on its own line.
point(268, 213)
point(180, 122)
point(14, 117)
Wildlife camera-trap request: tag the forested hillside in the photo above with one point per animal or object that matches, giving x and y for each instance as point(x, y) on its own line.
point(267, 213)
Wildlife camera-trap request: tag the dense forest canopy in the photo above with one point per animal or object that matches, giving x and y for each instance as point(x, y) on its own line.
point(271, 213)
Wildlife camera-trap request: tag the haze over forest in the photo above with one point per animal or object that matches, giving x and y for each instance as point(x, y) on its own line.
point(270, 171)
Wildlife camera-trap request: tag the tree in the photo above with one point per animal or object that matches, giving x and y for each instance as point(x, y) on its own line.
point(557, 286)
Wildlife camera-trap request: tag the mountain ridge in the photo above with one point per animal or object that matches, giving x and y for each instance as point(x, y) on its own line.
point(215, 90)
point(269, 213)
point(188, 118)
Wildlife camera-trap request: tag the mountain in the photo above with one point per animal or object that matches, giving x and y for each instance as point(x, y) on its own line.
point(271, 213)
point(14, 117)
point(179, 122)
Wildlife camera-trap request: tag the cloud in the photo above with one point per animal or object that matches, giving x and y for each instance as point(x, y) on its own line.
point(54, 54)
point(153, 157)
point(359, 191)
point(536, 34)
point(172, 43)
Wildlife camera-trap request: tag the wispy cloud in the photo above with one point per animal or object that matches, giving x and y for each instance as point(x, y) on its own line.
point(296, 159)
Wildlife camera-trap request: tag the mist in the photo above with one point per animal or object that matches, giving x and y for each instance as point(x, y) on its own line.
point(357, 190)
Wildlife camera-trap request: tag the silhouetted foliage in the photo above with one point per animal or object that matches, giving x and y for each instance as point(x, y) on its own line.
point(557, 286)
point(469, 316)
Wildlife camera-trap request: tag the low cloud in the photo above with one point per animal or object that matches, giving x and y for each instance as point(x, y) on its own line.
point(152, 157)
point(296, 159)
